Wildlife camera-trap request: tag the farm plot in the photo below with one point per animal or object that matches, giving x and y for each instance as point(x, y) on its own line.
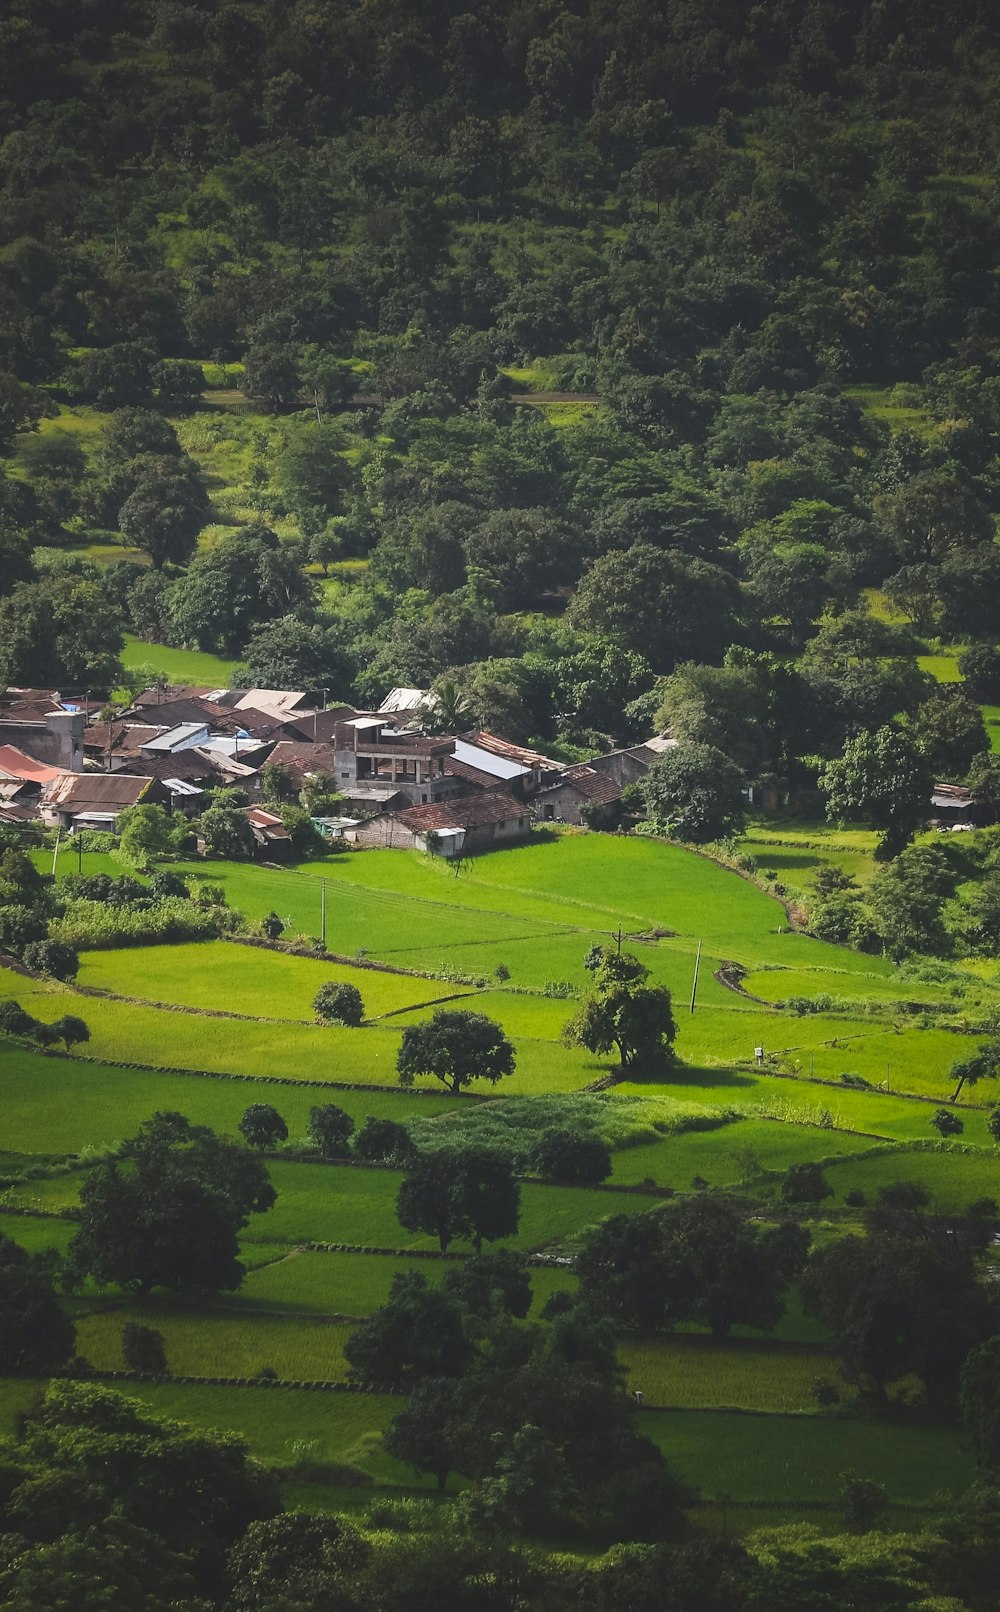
point(213, 1343)
point(60, 1105)
point(698, 1374)
point(245, 979)
point(356, 1284)
point(955, 1177)
point(782, 1458)
point(732, 1157)
point(345, 1204)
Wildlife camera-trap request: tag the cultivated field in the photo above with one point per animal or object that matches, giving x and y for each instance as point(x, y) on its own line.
point(210, 1028)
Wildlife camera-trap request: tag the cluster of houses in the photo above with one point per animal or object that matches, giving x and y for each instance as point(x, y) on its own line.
point(67, 763)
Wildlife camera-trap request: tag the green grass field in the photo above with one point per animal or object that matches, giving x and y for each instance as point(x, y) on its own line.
point(535, 910)
point(244, 979)
point(192, 666)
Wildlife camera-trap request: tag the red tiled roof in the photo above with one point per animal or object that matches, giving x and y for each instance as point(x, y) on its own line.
point(469, 811)
point(588, 783)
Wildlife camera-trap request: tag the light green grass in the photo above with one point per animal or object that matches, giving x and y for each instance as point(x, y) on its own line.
point(210, 1343)
point(356, 1284)
point(697, 1373)
point(340, 1204)
point(803, 1458)
point(193, 666)
point(246, 979)
point(954, 1179)
point(37, 1235)
point(60, 1105)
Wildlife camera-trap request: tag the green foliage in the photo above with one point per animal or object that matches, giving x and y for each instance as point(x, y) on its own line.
point(339, 1003)
point(143, 1350)
point(36, 1334)
point(262, 1127)
point(883, 778)
point(623, 1012)
point(166, 1212)
point(455, 1047)
point(468, 1192)
point(694, 792)
point(53, 957)
point(330, 1129)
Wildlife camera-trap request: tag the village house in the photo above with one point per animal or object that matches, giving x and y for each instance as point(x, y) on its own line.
point(581, 795)
point(450, 829)
point(96, 800)
point(369, 751)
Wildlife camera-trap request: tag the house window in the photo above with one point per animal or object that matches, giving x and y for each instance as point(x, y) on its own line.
point(345, 775)
point(520, 822)
point(424, 799)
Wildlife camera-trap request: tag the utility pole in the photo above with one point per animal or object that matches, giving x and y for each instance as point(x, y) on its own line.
point(618, 938)
point(55, 851)
point(694, 982)
point(322, 911)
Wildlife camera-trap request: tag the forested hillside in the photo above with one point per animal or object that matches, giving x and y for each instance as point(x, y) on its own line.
point(764, 237)
point(591, 373)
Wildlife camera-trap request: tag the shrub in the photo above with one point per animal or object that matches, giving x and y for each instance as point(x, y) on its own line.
point(144, 1350)
point(855, 1198)
point(53, 957)
point(272, 926)
point(72, 1031)
point(579, 1157)
point(383, 1141)
point(331, 1129)
point(825, 1392)
point(20, 928)
point(14, 1020)
point(336, 1002)
point(946, 1123)
point(805, 1183)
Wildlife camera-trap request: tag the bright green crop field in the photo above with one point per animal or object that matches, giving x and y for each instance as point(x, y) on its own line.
point(507, 936)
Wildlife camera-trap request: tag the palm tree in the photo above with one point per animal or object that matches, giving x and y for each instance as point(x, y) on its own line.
point(447, 710)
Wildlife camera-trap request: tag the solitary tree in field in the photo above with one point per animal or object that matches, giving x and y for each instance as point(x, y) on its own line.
point(946, 1123)
point(143, 1349)
point(576, 1157)
point(384, 1141)
point(337, 1002)
point(331, 1128)
point(455, 1048)
point(72, 1030)
point(262, 1126)
point(623, 1012)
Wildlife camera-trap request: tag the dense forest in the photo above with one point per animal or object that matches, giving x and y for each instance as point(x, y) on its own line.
point(608, 369)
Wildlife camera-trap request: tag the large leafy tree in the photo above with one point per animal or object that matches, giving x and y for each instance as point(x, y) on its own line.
point(456, 1048)
point(164, 512)
point(702, 1261)
point(246, 579)
point(882, 778)
point(59, 633)
point(694, 792)
point(36, 1334)
point(906, 1298)
point(450, 1192)
point(621, 1011)
point(418, 1333)
point(112, 1507)
point(166, 1212)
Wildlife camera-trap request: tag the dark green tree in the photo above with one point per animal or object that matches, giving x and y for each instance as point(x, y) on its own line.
point(36, 1334)
point(262, 1127)
point(622, 1012)
point(331, 1129)
point(576, 1157)
point(337, 1002)
point(167, 1211)
point(418, 1333)
point(694, 792)
point(456, 1048)
point(884, 779)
